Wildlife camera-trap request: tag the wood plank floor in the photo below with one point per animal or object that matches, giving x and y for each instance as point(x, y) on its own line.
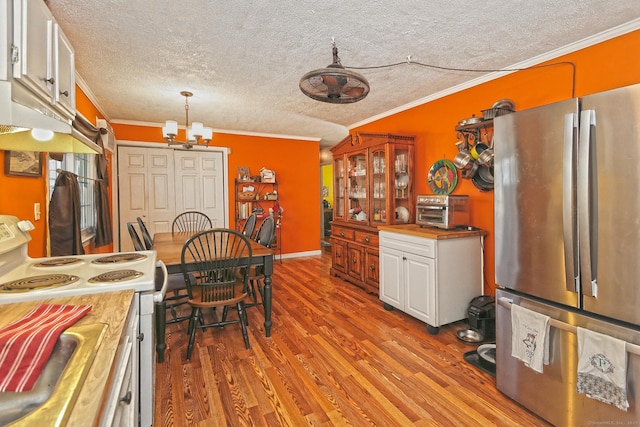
point(335, 357)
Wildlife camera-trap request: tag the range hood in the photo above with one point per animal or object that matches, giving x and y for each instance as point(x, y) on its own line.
point(17, 120)
point(75, 142)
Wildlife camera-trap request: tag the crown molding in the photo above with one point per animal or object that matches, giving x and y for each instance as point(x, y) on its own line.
point(226, 131)
point(553, 54)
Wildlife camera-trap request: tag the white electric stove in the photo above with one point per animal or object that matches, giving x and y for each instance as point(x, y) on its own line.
point(23, 278)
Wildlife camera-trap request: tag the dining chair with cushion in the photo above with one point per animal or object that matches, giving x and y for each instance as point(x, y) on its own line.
point(264, 236)
point(191, 221)
point(146, 236)
point(135, 238)
point(249, 225)
point(219, 260)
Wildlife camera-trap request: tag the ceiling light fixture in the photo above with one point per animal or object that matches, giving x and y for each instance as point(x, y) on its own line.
point(334, 84)
point(42, 134)
point(195, 134)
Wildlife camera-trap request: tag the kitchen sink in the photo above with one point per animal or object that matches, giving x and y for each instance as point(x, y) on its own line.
point(52, 399)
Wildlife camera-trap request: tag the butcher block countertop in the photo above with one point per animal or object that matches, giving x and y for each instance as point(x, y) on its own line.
point(109, 308)
point(431, 232)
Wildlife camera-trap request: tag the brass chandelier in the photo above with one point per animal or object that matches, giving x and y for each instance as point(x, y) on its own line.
point(196, 133)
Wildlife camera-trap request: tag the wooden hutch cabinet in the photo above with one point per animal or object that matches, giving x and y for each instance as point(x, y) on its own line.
point(373, 185)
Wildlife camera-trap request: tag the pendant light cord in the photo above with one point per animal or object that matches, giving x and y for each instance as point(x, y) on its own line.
point(469, 70)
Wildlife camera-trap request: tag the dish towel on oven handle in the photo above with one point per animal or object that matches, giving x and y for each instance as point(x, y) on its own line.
point(25, 345)
point(602, 368)
point(530, 337)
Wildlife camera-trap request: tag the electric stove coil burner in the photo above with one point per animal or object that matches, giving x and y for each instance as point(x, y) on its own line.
point(58, 262)
point(116, 276)
point(114, 259)
point(38, 282)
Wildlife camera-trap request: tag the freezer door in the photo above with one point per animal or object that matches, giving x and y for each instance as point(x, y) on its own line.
point(609, 203)
point(535, 229)
point(552, 395)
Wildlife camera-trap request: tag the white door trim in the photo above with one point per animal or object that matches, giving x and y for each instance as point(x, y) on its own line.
point(114, 180)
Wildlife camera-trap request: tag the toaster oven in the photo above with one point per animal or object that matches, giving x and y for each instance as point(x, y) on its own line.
point(442, 211)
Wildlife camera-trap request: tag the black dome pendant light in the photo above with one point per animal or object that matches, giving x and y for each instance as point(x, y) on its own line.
point(334, 84)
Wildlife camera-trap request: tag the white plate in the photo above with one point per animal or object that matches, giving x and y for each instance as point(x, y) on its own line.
point(402, 181)
point(403, 214)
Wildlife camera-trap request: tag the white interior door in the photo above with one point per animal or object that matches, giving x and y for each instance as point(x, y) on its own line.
point(146, 188)
point(157, 184)
point(199, 184)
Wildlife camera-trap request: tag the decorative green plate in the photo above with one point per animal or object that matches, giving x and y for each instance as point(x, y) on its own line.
point(442, 177)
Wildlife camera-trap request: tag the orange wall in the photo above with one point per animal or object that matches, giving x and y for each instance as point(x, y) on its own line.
point(18, 194)
point(608, 65)
point(297, 169)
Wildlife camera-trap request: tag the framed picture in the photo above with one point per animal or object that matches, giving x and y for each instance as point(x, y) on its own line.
point(22, 163)
point(243, 174)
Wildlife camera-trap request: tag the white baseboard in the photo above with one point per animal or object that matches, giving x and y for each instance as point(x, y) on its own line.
point(300, 254)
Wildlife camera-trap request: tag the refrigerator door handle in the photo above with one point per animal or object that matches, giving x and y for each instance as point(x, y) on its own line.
point(569, 157)
point(587, 200)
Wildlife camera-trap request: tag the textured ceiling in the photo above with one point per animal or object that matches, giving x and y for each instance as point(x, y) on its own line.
point(243, 59)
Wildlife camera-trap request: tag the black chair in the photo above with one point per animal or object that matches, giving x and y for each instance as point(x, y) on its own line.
point(135, 238)
point(266, 232)
point(146, 237)
point(219, 260)
point(176, 296)
point(249, 225)
point(191, 221)
point(264, 236)
point(177, 290)
point(175, 284)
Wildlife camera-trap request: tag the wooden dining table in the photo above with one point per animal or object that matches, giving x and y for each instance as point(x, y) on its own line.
point(168, 247)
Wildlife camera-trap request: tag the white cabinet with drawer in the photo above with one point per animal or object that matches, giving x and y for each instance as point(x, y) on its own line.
point(42, 59)
point(432, 280)
point(121, 407)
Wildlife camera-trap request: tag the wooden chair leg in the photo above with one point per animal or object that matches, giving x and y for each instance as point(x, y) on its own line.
point(160, 317)
point(243, 323)
point(252, 291)
point(253, 283)
point(259, 284)
point(193, 326)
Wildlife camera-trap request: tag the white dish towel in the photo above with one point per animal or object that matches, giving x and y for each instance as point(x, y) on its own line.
point(602, 368)
point(529, 337)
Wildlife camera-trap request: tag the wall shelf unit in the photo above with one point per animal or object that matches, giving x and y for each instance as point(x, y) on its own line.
point(260, 198)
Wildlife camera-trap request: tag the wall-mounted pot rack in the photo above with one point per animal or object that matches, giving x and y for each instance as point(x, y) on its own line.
point(474, 134)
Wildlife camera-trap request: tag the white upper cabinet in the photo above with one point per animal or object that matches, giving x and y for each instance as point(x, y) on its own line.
point(64, 95)
point(43, 59)
point(33, 46)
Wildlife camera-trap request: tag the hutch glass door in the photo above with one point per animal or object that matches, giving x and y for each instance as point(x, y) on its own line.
point(379, 186)
point(358, 185)
point(402, 185)
point(338, 187)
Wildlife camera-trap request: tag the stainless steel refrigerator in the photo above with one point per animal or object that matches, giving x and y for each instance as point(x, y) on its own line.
point(567, 239)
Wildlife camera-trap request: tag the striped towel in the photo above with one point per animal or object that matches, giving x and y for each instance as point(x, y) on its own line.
point(25, 345)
